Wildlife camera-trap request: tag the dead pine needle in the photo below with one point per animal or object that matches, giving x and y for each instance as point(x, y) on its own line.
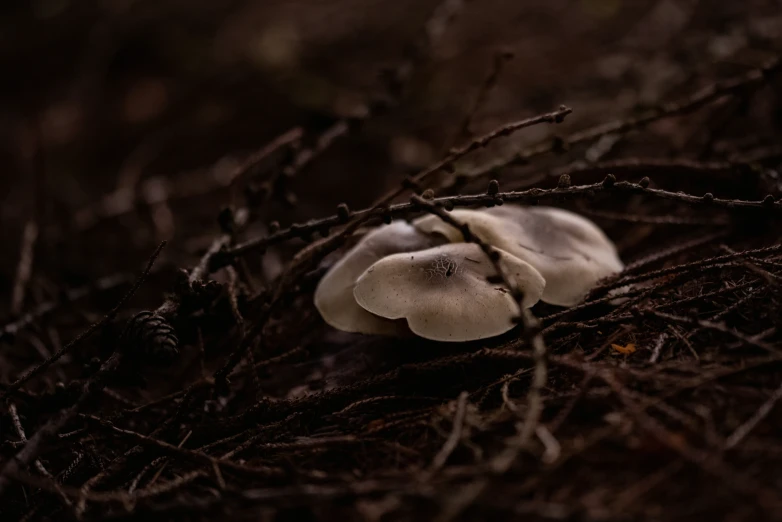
point(268, 152)
point(455, 436)
point(42, 437)
point(88, 332)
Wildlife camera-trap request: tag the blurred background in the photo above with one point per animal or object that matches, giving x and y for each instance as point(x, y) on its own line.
point(122, 122)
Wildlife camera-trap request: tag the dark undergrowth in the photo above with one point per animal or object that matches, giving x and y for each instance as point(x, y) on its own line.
point(203, 385)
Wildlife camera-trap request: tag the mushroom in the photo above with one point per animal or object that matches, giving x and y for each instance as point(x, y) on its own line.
point(334, 294)
point(570, 252)
point(444, 293)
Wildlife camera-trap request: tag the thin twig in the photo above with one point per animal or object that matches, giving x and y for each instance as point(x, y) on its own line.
point(101, 285)
point(25, 267)
point(361, 217)
point(312, 255)
point(526, 196)
point(704, 96)
point(719, 327)
point(39, 466)
point(285, 139)
point(499, 60)
point(740, 483)
point(742, 431)
point(455, 436)
point(658, 346)
point(37, 443)
point(194, 455)
point(677, 249)
point(88, 332)
point(531, 334)
point(770, 278)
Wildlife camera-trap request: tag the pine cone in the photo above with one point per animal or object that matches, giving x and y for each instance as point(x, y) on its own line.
point(153, 335)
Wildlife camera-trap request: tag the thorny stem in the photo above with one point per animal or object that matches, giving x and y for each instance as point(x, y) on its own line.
point(313, 254)
point(531, 327)
point(703, 97)
point(772, 208)
point(284, 140)
point(531, 334)
point(742, 484)
point(659, 255)
point(343, 397)
point(711, 262)
point(500, 58)
point(379, 209)
point(439, 19)
point(710, 325)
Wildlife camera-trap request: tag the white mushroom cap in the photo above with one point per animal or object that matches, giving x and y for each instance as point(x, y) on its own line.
point(334, 294)
point(444, 293)
point(571, 252)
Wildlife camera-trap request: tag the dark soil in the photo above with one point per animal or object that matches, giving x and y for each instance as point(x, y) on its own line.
point(206, 386)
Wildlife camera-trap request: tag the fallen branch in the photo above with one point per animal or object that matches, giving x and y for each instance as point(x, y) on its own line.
point(704, 96)
point(534, 195)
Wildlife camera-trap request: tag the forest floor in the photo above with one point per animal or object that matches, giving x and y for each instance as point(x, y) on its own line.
point(173, 175)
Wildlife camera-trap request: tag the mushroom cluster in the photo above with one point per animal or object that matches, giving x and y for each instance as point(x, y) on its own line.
point(422, 277)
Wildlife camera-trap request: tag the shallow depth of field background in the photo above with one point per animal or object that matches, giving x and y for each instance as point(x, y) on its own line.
point(122, 124)
point(127, 91)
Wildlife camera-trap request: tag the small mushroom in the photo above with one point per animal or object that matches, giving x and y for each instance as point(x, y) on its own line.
point(571, 253)
point(444, 294)
point(334, 294)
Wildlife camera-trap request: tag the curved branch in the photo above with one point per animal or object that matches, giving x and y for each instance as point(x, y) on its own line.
point(766, 206)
